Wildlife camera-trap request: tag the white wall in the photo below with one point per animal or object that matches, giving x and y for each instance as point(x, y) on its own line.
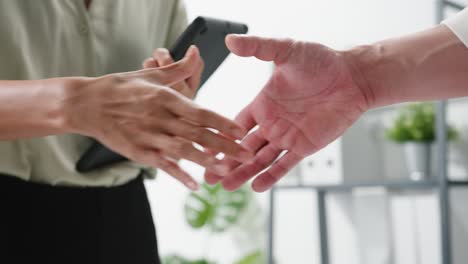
point(338, 23)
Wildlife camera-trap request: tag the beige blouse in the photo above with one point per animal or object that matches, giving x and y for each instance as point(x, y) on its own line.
point(51, 38)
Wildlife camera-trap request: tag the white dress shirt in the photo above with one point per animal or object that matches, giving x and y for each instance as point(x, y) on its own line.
point(459, 25)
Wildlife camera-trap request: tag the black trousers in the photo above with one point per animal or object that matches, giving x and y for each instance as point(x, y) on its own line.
point(49, 225)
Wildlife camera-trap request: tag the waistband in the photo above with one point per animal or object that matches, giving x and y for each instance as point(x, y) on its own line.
point(12, 184)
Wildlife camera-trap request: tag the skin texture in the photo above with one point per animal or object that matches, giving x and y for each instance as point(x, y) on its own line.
point(316, 93)
point(188, 88)
point(425, 66)
point(310, 84)
point(136, 114)
point(162, 57)
point(167, 123)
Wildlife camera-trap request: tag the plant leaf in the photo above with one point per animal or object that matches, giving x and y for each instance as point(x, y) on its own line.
point(174, 259)
point(256, 257)
point(215, 208)
point(416, 122)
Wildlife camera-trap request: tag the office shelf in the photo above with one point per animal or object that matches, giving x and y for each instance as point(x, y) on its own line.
point(440, 184)
point(394, 185)
point(458, 183)
point(402, 185)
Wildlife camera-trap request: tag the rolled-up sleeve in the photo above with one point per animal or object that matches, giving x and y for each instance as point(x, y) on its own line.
point(459, 25)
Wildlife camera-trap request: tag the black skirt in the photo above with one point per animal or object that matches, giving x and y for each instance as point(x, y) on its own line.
point(45, 224)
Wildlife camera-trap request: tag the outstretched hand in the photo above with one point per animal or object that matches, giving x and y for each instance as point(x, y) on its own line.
point(309, 101)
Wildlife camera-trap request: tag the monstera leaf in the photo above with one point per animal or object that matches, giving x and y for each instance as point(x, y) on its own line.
point(215, 208)
point(180, 260)
point(256, 257)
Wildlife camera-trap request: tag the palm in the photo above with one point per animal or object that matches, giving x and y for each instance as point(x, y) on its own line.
point(309, 101)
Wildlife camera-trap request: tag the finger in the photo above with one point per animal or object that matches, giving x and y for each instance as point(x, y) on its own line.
point(266, 49)
point(211, 177)
point(214, 176)
point(264, 158)
point(206, 118)
point(170, 157)
point(253, 142)
point(210, 151)
point(175, 72)
point(190, 86)
point(195, 80)
point(184, 149)
point(267, 179)
point(207, 138)
point(156, 159)
point(150, 63)
point(173, 169)
point(163, 57)
point(246, 119)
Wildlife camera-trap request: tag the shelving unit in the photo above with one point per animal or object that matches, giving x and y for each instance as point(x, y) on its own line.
point(441, 184)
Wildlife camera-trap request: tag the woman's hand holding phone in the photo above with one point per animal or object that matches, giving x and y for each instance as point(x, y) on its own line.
point(162, 58)
point(138, 115)
point(207, 34)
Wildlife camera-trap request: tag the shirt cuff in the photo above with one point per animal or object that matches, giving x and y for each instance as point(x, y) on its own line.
point(459, 25)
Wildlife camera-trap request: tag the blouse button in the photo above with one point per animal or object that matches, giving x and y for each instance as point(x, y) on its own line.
point(84, 29)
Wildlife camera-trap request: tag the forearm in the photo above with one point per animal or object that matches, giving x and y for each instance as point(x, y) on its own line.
point(429, 65)
point(32, 108)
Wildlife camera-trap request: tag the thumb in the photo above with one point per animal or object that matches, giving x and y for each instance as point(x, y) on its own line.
point(267, 49)
point(181, 70)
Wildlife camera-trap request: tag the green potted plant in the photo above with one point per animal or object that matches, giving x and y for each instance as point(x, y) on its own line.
point(414, 127)
point(214, 209)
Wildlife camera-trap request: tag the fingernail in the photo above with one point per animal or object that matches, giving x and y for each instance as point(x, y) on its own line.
point(192, 186)
point(191, 50)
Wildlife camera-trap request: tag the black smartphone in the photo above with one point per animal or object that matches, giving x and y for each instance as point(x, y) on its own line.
point(208, 34)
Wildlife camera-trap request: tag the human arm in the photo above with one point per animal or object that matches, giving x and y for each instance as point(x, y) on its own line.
point(429, 65)
point(133, 113)
point(32, 108)
point(316, 93)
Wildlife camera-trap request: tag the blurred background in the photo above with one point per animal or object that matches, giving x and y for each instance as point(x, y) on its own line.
point(382, 200)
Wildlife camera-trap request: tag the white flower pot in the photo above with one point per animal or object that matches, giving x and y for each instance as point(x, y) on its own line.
point(418, 160)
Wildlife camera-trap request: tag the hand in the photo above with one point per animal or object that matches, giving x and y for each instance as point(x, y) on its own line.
point(137, 115)
point(309, 101)
point(162, 57)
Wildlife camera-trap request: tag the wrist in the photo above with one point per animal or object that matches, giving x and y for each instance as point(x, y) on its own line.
point(359, 60)
point(51, 92)
point(371, 67)
point(71, 101)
